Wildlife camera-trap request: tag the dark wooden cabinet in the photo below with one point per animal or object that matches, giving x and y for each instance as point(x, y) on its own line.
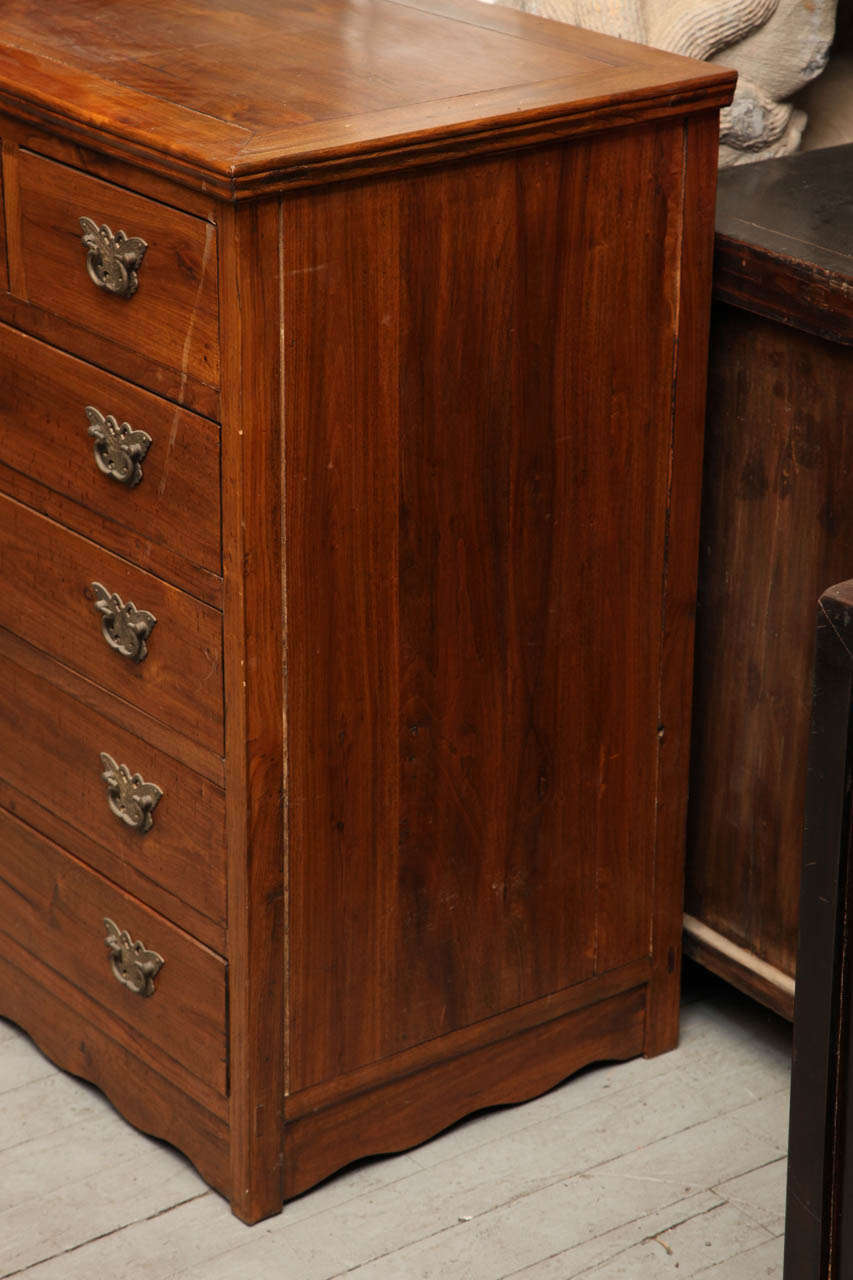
point(410, 307)
point(777, 525)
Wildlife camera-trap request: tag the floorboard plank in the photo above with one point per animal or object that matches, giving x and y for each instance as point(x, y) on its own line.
point(591, 1177)
point(46, 1105)
point(59, 1190)
point(688, 1249)
point(583, 1258)
point(763, 1263)
point(761, 1194)
point(21, 1063)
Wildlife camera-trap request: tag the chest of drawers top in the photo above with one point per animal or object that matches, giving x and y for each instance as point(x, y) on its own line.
point(243, 97)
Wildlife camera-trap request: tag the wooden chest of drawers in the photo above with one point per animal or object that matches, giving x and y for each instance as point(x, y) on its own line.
point(351, 383)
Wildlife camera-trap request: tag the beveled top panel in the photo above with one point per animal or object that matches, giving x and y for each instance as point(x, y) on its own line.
point(252, 95)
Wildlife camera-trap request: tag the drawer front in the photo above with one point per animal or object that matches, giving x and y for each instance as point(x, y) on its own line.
point(165, 998)
point(139, 462)
point(70, 598)
point(165, 306)
point(51, 752)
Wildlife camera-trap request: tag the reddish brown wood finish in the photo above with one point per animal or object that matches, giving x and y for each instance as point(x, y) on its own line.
point(401, 1111)
point(256, 641)
point(118, 169)
point(173, 513)
point(4, 261)
point(48, 600)
point(459, 486)
point(677, 621)
point(173, 316)
point(50, 749)
point(118, 357)
point(56, 1014)
point(470, 1039)
point(101, 700)
point(53, 907)
point(435, 75)
point(458, 415)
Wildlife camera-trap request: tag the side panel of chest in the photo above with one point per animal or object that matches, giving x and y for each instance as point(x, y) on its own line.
point(478, 370)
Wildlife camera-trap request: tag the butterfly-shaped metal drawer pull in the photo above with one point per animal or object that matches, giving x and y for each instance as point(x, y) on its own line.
point(119, 448)
point(125, 628)
point(112, 261)
point(130, 798)
point(134, 966)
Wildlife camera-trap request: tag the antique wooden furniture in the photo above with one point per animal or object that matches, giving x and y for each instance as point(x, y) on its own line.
point(385, 824)
point(819, 1217)
point(777, 525)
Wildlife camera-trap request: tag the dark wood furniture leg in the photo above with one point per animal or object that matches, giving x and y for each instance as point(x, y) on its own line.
point(819, 1235)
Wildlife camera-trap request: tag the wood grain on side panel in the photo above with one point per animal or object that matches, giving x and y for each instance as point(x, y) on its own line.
point(255, 663)
point(512, 1070)
point(471, 1039)
point(679, 604)
point(4, 259)
point(478, 463)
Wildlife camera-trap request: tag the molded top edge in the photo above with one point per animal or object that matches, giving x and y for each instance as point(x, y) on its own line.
point(242, 97)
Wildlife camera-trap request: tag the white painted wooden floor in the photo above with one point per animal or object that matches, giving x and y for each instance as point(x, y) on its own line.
point(636, 1171)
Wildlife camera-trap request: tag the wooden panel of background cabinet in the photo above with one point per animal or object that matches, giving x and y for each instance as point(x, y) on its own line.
point(777, 526)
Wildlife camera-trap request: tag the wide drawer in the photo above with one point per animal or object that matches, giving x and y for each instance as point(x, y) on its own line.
point(164, 306)
point(51, 749)
point(147, 469)
point(53, 584)
point(166, 998)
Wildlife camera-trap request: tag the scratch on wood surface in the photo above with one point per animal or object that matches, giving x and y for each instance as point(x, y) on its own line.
point(173, 433)
point(209, 243)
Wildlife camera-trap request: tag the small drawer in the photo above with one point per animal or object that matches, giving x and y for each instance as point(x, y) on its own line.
point(166, 845)
point(141, 274)
point(68, 597)
point(165, 997)
point(139, 463)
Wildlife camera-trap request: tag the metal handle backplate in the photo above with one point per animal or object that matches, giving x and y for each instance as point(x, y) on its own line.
point(130, 798)
point(119, 448)
point(112, 261)
point(125, 628)
point(134, 966)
